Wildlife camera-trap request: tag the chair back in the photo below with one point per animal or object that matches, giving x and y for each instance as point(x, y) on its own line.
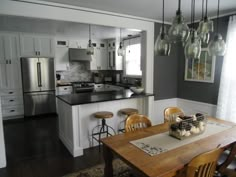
point(137, 121)
point(204, 165)
point(171, 110)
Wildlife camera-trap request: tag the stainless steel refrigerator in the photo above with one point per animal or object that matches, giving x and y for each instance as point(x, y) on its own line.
point(38, 85)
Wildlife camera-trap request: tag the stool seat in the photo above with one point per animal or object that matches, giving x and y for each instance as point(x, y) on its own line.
point(129, 111)
point(103, 115)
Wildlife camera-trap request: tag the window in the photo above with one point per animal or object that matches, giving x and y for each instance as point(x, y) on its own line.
point(132, 59)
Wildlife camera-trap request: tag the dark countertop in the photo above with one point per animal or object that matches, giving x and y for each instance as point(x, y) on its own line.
point(94, 97)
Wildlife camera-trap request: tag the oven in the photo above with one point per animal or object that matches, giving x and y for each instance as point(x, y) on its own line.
point(83, 87)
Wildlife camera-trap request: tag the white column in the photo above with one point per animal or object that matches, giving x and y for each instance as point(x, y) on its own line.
point(2, 144)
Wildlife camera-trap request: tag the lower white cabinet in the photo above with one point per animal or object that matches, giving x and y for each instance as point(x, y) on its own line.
point(64, 90)
point(12, 104)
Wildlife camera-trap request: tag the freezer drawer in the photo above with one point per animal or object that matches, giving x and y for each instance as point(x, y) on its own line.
point(39, 103)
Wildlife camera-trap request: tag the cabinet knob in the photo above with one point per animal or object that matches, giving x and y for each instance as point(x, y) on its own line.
point(12, 110)
point(65, 88)
point(10, 92)
point(11, 100)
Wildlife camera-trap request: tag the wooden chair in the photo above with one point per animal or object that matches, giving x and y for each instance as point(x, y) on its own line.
point(204, 165)
point(222, 168)
point(171, 110)
point(137, 121)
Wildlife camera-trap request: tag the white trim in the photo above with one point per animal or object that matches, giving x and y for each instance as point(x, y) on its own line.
point(54, 4)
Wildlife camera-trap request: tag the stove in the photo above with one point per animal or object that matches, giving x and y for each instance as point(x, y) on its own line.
point(82, 87)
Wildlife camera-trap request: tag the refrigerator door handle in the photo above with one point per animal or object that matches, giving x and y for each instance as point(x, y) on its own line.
point(39, 74)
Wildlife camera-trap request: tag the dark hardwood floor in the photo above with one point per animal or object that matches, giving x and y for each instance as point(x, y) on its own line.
point(33, 149)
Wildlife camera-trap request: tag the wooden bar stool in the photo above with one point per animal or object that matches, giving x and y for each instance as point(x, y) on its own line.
point(127, 112)
point(104, 128)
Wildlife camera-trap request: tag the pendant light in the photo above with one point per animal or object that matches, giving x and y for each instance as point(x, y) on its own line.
point(217, 45)
point(90, 49)
point(192, 49)
point(162, 44)
point(179, 30)
point(121, 51)
point(205, 26)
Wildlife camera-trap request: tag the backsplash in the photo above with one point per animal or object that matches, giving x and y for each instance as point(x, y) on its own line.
point(79, 71)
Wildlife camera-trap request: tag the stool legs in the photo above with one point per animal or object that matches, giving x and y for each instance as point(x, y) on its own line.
point(103, 130)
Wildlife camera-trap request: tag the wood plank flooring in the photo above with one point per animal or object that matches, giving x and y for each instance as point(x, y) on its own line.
point(33, 149)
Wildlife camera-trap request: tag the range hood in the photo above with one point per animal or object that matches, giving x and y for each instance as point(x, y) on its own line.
point(76, 54)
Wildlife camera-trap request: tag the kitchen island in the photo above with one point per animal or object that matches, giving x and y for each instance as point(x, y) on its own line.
point(75, 112)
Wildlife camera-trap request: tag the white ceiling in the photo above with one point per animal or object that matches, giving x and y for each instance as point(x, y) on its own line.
point(152, 9)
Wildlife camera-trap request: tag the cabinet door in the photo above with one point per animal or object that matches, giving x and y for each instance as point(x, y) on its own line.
point(3, 75)
point(2, 49)
point(28, 45)
point(103, 59)
point(110, 63)
point(45, 46)
point(11, 43)
point(62, 59)
point(14, 75)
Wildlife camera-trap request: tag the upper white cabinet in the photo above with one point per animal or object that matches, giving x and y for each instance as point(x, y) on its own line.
point(115, 62)
point(81, 44)
point(99, 59)
point(61, 55)
point(32, 45)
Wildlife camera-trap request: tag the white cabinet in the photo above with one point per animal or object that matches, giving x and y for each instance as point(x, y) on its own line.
point(62, 56)
point(64, 90)
point(10, 76)
point(99, 59)
point(81, 44)
point(32, 45)
point(115, 62)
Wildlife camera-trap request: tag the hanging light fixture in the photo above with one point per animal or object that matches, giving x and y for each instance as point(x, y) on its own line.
point(192, 49)
point(162, 44)
point(90, 49)
point(205, 26)
point(179, 30)
point(121, 50)
point(217, 45)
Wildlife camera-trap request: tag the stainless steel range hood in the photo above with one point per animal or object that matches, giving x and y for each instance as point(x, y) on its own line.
point(79, 55)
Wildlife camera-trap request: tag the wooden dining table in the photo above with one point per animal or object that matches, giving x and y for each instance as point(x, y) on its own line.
point(166, 164)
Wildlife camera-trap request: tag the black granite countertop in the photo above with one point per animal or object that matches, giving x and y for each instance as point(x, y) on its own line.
point(94, 97)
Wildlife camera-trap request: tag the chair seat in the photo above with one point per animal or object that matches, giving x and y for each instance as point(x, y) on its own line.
point(103, 115)
point(129, 111)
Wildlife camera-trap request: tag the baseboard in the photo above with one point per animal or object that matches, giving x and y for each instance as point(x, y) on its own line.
point(75, 151)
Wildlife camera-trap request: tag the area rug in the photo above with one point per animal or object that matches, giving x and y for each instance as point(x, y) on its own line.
point(120, 170)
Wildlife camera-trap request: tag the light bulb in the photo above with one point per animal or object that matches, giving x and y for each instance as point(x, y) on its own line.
point(179, 30)
point(217, 46)
point(162, 45)
point(204, 29)
point(90, 49)
point(192, 49)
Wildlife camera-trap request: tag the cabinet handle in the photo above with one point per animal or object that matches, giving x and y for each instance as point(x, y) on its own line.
point(6, 61)
point(9, 61)
point(10, 92)
point(39, 52)
point(36, 53)
point(11, 100)
point(12, 110)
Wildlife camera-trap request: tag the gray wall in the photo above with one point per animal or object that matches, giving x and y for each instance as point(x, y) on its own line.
point(200, 91)
point(169, 74)
point(165, 73)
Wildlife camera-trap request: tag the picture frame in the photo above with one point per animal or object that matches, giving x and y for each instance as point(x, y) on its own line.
point(200, 70)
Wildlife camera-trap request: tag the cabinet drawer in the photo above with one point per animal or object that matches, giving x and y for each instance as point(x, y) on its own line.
point(11, 92)
point(64, 90)
point(12, 100)
point(12, 111)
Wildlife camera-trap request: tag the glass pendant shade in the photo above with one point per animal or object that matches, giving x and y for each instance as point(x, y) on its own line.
point(205, 27)
point(217, 46)
point(90, 49)
point(121, 51)
point(162, 45)
point(179, 30)
point(192, 49)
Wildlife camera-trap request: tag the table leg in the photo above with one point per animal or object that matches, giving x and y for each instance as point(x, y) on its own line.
point(108, 156)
